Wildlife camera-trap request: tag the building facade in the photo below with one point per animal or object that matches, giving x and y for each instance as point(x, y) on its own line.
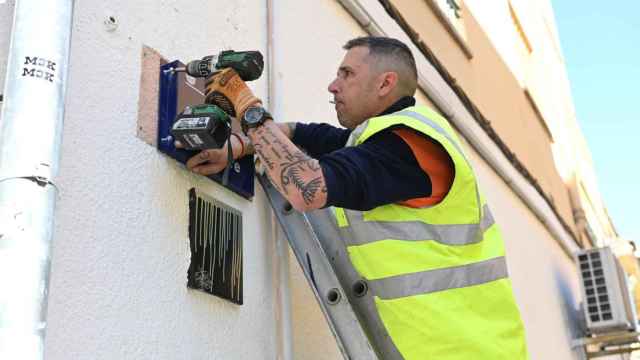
point(121, 247)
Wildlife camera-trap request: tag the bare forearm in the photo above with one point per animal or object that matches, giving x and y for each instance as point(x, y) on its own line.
point(297, 176)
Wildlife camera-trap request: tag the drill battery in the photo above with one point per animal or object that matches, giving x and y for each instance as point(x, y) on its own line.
point(200, 127)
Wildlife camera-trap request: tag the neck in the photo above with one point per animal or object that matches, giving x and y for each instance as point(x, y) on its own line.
point(384, 104)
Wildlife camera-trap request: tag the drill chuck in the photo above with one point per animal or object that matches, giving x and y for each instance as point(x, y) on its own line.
point(201, 68)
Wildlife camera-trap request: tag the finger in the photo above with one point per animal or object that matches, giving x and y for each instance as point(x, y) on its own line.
point(194, 161)
point(178, 144)
point(208, 169)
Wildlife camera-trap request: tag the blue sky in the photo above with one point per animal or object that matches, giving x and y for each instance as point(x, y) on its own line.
point(601, 45)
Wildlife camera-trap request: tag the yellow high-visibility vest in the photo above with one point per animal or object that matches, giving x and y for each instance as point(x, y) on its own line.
point(437, 276)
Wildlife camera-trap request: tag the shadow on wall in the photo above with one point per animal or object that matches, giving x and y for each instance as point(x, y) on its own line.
point(571, 312)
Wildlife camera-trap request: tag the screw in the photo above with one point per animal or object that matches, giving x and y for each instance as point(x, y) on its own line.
point(167, 140)
point(111, 23)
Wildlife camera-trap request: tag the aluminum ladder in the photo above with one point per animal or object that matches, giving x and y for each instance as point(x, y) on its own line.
point(311, 254)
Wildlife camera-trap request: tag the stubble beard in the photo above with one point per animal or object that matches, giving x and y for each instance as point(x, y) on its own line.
point(344, 122)
point(341, 118)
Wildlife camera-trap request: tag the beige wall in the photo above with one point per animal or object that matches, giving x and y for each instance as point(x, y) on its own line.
point(629, 263)
point(537, 70)
point(491, 85)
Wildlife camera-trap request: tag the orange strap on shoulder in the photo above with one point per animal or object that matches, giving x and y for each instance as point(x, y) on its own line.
point(433, 160)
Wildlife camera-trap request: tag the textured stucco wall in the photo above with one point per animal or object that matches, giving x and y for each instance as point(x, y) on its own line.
point(120, 251)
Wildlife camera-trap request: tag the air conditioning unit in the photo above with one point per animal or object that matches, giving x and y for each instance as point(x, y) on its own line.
point(608, 304)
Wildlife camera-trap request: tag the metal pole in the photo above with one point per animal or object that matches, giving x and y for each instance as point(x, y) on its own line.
point(30, 137)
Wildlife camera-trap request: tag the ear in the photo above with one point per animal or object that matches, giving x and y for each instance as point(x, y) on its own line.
point(388, 83)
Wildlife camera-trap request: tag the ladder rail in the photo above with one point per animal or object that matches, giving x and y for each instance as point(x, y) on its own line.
point(329, 293)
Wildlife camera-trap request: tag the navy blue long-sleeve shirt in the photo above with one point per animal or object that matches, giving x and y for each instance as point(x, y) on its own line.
point(382, 170)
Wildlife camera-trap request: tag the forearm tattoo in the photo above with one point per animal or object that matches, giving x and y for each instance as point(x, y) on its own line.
point(291, 169)
point(291, 173)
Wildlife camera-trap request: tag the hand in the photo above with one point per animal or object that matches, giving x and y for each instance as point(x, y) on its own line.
point(227, 90)
point(208, 162)
point(213, 161)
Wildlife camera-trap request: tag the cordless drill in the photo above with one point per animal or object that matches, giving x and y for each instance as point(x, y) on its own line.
point(248, 64)
point(207, 126)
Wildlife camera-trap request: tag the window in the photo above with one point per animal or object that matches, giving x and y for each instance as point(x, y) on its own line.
point(453, 4)
point(450, 14)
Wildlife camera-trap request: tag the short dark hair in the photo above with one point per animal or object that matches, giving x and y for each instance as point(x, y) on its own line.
point(393, 55)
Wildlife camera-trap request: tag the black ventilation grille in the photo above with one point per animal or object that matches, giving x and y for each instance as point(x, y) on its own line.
point(595, 286)
point(215, 237)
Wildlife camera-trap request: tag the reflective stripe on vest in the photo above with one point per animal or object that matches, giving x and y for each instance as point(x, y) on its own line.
point(390, 257)
point(463, 234)
point(435, 126)
point(456, 207)
point(426, 282)
point(439, 129)
point(437, 274)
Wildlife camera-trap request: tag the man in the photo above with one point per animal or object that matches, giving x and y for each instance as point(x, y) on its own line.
point(406, 201)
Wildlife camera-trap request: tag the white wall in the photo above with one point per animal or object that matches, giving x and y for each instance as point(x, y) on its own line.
point(120, 251)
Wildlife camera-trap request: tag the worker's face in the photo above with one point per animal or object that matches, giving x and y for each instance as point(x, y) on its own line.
point(354, 89)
